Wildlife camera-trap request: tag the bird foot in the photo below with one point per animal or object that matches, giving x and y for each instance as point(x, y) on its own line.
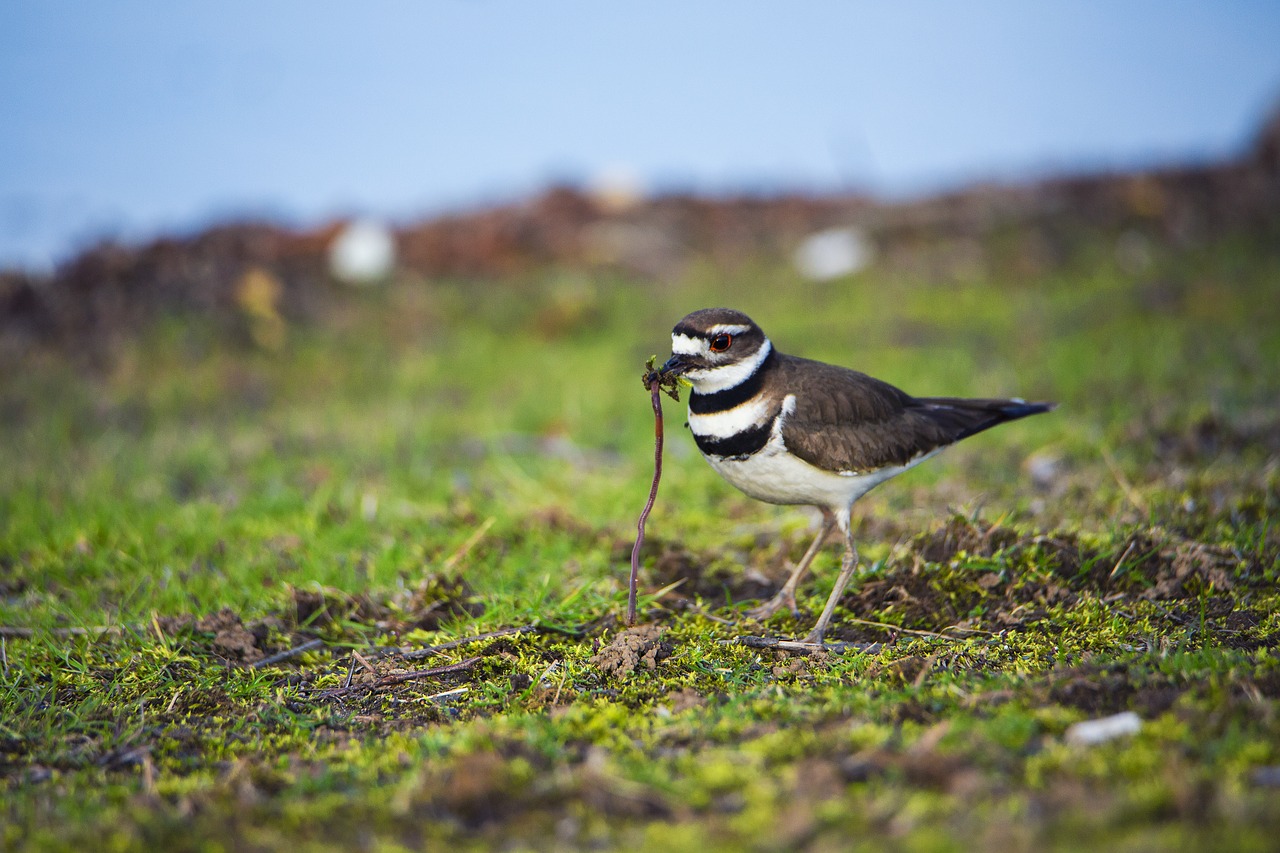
point(785, 598)
point(813, 638)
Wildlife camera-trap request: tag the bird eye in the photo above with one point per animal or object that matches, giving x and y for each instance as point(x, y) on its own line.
point(720, 343)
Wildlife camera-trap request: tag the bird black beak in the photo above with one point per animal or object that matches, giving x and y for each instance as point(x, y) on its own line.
point(676, 365)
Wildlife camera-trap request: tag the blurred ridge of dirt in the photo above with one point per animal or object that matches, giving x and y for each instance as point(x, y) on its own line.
point(240, 272)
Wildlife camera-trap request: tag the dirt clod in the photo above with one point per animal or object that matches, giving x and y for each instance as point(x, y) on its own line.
point(634, 647)
point(233, 639)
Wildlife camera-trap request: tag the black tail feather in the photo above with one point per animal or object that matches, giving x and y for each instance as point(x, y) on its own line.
point(964, 417)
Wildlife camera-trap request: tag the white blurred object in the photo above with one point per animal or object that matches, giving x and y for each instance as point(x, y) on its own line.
point(833, 252)
point(1094, 732)
point(364, 252)
point(1045, 469)
point(617, 189)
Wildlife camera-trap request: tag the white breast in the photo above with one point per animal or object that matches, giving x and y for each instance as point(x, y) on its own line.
point(730, 422)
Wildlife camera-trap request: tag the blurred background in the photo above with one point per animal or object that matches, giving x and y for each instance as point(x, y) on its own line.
point(328, 319)
point(413, 232)
point(137, 119)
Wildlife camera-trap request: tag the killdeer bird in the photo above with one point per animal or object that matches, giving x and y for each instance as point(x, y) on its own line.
point(788, 430)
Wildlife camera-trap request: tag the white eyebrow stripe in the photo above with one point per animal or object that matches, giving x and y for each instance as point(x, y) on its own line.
point(728, 329)
point(685, 345)
point(712, 379)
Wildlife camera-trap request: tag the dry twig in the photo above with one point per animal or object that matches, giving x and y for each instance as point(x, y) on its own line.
point(400, 678)
point(798, 646)
point(288, 653)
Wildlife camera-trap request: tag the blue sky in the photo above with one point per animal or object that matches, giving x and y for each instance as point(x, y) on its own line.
point(134, 117)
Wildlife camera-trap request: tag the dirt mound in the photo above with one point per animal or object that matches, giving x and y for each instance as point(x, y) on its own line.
point(633, 648)
point(232, 639)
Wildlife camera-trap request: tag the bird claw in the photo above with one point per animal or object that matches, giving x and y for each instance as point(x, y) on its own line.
point(814, 638)
point(763, 612)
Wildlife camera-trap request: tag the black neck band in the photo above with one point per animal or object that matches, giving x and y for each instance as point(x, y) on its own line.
point(739, 445)
point(729, 398)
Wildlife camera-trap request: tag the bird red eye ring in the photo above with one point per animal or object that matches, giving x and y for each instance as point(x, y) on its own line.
point(720, 343)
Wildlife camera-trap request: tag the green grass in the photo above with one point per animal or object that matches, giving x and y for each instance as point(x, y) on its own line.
point(440, 460)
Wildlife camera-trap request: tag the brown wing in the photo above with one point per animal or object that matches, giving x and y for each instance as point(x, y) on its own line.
point(847, 421)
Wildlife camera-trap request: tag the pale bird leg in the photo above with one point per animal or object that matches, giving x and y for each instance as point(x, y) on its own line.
point(786, 597)
point(847, 565)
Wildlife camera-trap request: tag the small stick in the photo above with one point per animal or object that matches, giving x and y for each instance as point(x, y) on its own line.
point(409, 653)
point(351, 672)
point(400, 678)
point(797, 646)
point(288, 653)
point(900, 630)
point(415, 654)
point(364, 662)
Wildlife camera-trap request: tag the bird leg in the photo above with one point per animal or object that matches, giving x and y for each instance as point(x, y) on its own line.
point(786, 597)
point(847, 564)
